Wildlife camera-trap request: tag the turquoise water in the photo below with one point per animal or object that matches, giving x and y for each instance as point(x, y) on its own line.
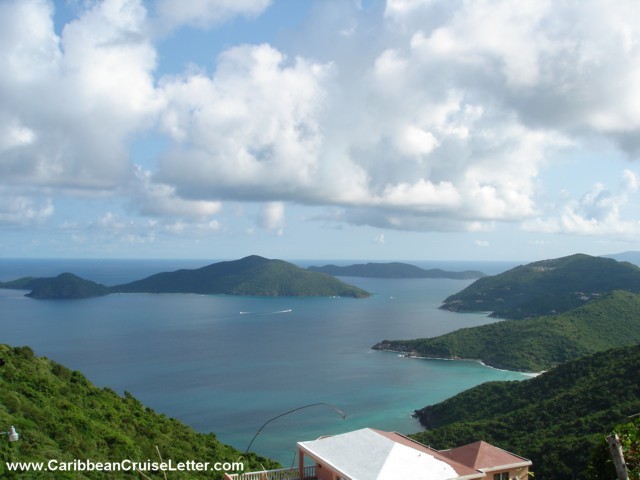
point(228, 364)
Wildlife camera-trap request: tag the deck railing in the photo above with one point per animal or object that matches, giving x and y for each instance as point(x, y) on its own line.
point(309, 473)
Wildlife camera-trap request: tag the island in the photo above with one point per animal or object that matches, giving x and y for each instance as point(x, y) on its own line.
point(394, 270)
point(64, 286)
point(252, 275)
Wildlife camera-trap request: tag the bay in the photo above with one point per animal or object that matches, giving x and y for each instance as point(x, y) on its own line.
point(229, 364)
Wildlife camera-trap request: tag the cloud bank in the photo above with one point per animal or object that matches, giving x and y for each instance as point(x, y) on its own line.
point(426, 115)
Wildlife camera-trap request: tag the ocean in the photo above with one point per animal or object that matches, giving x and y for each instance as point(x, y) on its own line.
point(228, 364)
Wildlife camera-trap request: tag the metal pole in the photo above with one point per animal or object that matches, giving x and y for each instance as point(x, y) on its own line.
point(344, 415)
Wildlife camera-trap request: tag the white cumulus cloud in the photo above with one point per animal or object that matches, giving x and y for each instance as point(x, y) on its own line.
point(427, 115)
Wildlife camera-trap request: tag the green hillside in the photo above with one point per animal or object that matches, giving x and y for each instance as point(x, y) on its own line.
point(393, 270)
point(539, 343)
point(545, 288)
point(252, 275)
point(61, 416)
point(555, 419)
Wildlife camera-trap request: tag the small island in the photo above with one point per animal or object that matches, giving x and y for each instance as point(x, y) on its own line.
point(64, 286)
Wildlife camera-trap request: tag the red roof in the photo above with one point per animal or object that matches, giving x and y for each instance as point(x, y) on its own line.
point(485, 457)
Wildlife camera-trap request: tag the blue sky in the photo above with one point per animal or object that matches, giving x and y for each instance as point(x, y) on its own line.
point(328, 129)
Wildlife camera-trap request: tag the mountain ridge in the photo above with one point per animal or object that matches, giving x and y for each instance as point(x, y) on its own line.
point(394, 270)
point(545, 287)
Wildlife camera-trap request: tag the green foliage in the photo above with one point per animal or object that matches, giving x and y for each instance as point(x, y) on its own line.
point(540, 343)
point(61, 416)
point(393, 270)
point(546, 287)
point(249, 276)
point(66, 285)
point(554, 419)
point(601, 465)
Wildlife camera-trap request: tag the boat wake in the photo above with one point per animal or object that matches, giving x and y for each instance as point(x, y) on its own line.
point(267, 313)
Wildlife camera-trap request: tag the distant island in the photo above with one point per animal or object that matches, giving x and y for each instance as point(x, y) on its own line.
point(252, 275)
point(631, 257)
point(64, 286)
point(394, 270)
point(547, 287)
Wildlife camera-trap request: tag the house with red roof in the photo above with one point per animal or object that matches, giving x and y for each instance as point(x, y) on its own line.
point(370, 454)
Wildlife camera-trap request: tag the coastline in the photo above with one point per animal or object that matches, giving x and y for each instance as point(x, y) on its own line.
point(413, 355)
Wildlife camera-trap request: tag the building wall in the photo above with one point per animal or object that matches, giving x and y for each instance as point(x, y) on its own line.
point(521, 473)
point(324, 473)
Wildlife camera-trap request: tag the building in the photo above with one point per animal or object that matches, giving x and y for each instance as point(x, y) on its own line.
point(369, 454)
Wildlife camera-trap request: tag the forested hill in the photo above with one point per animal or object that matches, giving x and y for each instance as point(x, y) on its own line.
point(545, 287)
point(251, 275)
point(612, 320)
point(61, 416)
point(394, 270)
point(555, 419)
point(64, 286)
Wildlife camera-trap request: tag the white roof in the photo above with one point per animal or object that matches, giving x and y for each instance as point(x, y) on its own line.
point(367, 455)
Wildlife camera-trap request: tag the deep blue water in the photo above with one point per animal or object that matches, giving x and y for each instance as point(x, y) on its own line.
point(228, 364)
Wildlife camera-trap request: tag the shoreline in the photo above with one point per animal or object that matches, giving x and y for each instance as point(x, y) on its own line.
point(412, 355)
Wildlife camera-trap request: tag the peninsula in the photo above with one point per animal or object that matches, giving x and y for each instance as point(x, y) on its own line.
point(538, 343)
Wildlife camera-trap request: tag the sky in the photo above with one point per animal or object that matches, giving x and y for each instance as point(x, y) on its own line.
point(319, 129)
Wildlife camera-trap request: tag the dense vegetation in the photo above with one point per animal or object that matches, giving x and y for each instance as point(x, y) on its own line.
point(601, 466)
point(252, 275)
point(545, 288)
point(537, 344)
point(65, 285)
point(555, 419)
point(393, 270)
point(61, 416)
